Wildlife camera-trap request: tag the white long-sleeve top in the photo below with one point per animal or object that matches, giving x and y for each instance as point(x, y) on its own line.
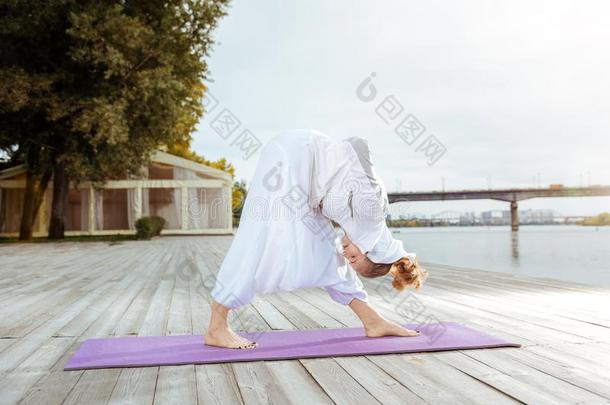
point(285, 240)
point(349, 190)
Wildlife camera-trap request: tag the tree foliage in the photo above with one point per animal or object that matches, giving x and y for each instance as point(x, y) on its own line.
point(90, 89)
point(602, 219)
point(183, 149)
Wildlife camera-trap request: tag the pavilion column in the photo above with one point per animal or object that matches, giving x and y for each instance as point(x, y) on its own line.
point(514, 216)
point(138, 204)
point(184, 200)
point(229, 193)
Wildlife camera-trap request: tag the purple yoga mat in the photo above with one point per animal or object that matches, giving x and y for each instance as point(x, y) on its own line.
point(276, 345)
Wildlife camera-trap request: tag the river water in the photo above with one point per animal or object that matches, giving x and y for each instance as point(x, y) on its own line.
point(563, 252)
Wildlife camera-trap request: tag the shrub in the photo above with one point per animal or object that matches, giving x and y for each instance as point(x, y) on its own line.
point(147, 227)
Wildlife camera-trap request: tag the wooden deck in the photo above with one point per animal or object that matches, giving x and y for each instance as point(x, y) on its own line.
point(55, 295)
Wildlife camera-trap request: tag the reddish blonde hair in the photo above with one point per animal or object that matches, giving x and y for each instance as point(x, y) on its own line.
point(406, 272)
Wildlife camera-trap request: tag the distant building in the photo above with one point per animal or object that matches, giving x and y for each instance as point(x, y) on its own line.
point(191, 197)
point(446, 218)
point(537, 216)
point(494, 217)
point(468, 218)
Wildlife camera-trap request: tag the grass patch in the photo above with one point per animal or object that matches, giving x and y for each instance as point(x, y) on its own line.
point(113, 239)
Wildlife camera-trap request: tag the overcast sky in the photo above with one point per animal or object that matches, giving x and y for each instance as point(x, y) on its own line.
point(516, 92)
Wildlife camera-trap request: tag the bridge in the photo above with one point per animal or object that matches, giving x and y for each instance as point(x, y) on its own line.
point(509, 195)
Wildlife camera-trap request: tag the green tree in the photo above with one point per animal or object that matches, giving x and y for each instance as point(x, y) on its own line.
point(598, 220)
point(239, 198)
point(89, 89)
point(183, 149)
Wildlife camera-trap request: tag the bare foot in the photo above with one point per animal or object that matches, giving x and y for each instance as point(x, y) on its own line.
point(384, 327)
point(225, 337)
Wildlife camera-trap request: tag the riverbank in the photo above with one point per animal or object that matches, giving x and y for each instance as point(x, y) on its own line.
point(447, 224)
point(602, 219)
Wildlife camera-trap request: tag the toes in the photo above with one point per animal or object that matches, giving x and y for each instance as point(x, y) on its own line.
point(248, 345)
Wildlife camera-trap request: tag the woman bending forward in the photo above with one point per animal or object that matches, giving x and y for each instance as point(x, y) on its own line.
point(285, 239)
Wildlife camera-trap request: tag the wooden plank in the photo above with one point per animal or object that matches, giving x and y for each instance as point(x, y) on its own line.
point(59, 382)
point(176, 385)
point(271, 314)
point(260, 382)
point(56, 385)
point(135, 386)
point(578, 375)
point(15, 354)
point(94, 387)
point(179, 318)
point(216, 385)
point(378, 383)
point(257, 385)
point(88, 310)
point(519, 306)
point(46, 309)
point(537, 380)
point(134, 315)
point(338, 383)
point(496, 378)
point(437, 382)
point(592, 356)
point(293, 313)
point(291, 306)
point(14, 385)
point(93, 289)
point(139, 385)
point(303, 388)
point(155, 321)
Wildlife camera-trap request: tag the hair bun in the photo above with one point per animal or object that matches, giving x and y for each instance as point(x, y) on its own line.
point(406, 273)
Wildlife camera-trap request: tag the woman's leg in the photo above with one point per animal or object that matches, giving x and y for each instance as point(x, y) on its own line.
point(375, 325)
point(219, 332)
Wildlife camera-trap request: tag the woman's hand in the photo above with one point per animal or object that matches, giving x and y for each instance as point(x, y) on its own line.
point(351, 251)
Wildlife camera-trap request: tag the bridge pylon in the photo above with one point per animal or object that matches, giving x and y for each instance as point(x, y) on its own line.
point(514, 215)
